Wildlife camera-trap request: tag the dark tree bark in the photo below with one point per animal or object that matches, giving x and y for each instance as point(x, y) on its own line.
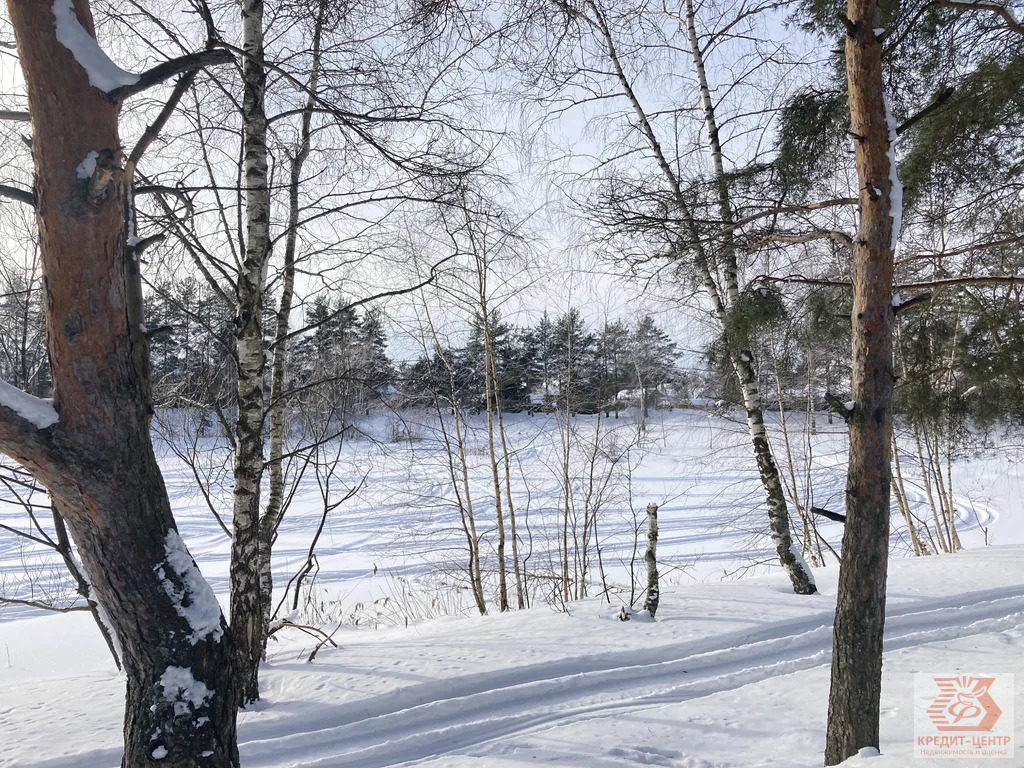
point(860, 609)
point(97, 461)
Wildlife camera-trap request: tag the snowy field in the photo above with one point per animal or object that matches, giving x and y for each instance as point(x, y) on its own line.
point(733, 673)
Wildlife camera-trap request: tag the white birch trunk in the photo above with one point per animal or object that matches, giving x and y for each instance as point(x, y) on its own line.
point(778, 513)
point(246, 596)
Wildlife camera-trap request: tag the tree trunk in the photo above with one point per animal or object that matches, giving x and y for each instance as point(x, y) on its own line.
point(778, 512)
point(278, 412)
point(742, 360)
point(490, 405)
point(246, 596)
point(97, 461)
point(651, 560)
point(854, 699)
point(516, 569)
point(465, 498)
point(901, 500)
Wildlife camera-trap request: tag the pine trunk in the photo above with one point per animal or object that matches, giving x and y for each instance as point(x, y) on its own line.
point(97, 461)
point(854, 699)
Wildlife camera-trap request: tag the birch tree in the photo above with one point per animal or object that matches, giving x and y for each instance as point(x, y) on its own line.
point(357, 148)
point(247, 599)
point(714, 257)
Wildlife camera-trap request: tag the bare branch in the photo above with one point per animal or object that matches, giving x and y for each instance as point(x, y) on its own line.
point(42, 606)
point(806, 237)
point(1000, 10)
point(26, 196)
point(168, 69)
point(951, 282)
point(940, 98)
point(153, 130)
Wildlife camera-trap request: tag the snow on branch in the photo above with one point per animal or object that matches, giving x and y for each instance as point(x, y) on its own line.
point(35, 410)
point(1003, 11)
point(107, 76)
point(103, 73)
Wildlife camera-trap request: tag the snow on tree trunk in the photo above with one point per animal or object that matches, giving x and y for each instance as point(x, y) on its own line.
point(854, 698)
point(97, 460)
point(247, 615)
point(651, 560)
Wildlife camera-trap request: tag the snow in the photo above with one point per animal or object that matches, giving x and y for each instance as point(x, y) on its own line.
point(897, 300)
point(160, 753)
point(1005, 7)
point(895, 185)
point(849, 405)
point(101, 612)
point(794, 549)
point(87, 167)
point(194, 599)
point(39, 411)
point(733, 673)
point(102, 72)
point(182, 690)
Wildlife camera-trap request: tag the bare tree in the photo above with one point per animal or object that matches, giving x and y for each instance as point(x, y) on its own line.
point(714, 256)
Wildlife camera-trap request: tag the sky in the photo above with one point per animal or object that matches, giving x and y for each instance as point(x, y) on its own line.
point(546, 152)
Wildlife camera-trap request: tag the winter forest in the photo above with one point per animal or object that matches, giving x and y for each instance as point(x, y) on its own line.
point(508, 383)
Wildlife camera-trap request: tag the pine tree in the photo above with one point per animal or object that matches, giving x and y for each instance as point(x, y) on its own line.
point(652, 360)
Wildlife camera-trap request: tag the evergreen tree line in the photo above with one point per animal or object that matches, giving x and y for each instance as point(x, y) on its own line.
point(557, 363)
point(340, 365)
point(959, 361)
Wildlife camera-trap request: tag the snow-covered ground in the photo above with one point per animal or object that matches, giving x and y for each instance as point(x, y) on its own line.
point(733, 673)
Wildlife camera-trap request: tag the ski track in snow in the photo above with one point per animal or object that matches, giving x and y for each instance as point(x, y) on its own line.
point(387, 731)
point(455, 708)
point(467, 715)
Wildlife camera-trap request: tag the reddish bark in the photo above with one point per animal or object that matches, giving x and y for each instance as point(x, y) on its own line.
point(860, 609)
point(98, 461)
